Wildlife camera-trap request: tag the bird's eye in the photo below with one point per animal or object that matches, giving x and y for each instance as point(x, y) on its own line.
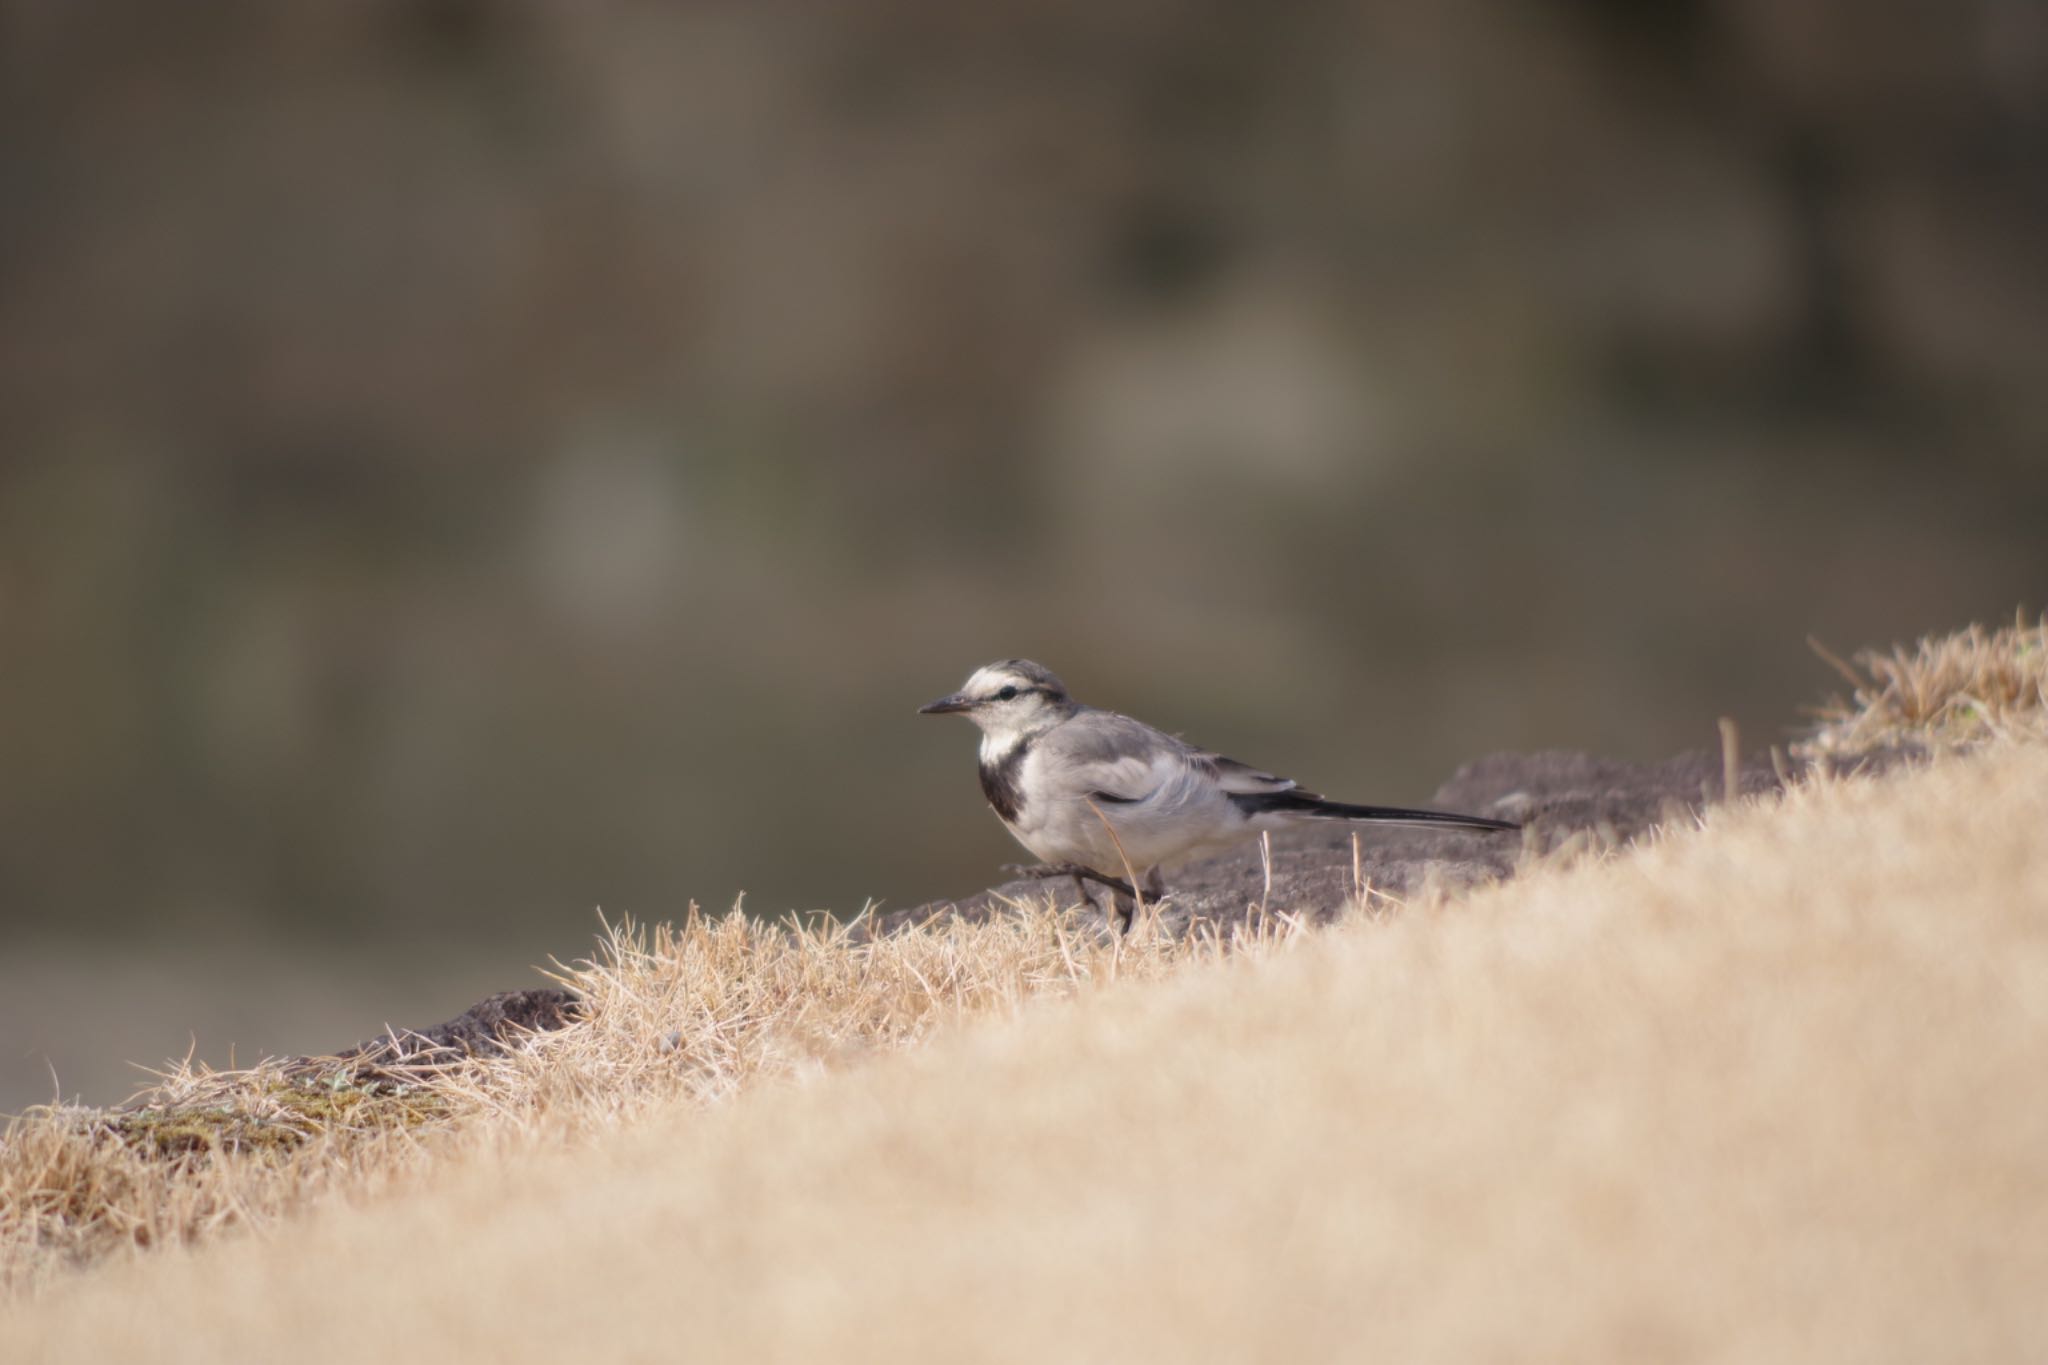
point(1007, 694)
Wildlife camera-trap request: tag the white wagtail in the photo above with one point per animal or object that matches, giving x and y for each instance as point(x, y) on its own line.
point(1095, 794)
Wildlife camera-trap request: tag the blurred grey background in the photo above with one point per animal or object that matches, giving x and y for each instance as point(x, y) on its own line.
point(467, 464)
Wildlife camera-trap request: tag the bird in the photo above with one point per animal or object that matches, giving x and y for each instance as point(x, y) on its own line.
point(1098, 795)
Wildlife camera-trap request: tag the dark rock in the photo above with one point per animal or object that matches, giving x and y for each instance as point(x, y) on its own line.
point(489, 1028)
point(1316, 870)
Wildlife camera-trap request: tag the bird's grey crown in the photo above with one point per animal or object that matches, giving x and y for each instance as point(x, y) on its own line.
point(1033, 674)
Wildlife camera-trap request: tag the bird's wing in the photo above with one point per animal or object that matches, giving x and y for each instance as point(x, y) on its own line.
point(1100, 755)
point(1242, 778)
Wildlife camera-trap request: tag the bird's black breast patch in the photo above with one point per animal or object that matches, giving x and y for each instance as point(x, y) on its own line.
point(999, 782)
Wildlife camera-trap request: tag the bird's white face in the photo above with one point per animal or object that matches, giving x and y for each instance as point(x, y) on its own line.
point(1009, 701)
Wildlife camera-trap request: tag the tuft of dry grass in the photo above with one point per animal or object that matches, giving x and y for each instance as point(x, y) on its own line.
point(1947, 692)
point(200, 1152)
point(690, 1013)
point(698, 1011)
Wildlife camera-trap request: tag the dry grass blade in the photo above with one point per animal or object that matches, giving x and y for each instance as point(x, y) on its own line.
point(1130, 873)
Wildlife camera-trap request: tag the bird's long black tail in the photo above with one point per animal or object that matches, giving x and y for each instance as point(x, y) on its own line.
point(1310, 806)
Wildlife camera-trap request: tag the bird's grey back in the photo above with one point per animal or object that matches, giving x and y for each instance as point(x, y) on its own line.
point(1092, 740)
point(1092, 735)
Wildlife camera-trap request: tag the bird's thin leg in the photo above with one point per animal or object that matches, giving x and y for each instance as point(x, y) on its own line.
point(1155, 892)
point(1123, 906)
point(1046, 871)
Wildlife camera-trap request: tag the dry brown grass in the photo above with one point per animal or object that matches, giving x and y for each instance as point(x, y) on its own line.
point(1946, 692)
point(200, 1152)
point(1765, 1089)
point(690, 1013)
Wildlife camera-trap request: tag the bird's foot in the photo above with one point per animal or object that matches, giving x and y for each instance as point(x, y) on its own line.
point(1047, 871)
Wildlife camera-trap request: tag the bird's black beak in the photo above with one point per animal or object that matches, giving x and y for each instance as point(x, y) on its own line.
point(945, 705)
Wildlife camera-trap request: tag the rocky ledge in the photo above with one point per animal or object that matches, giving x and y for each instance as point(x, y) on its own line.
point(1314, 871)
